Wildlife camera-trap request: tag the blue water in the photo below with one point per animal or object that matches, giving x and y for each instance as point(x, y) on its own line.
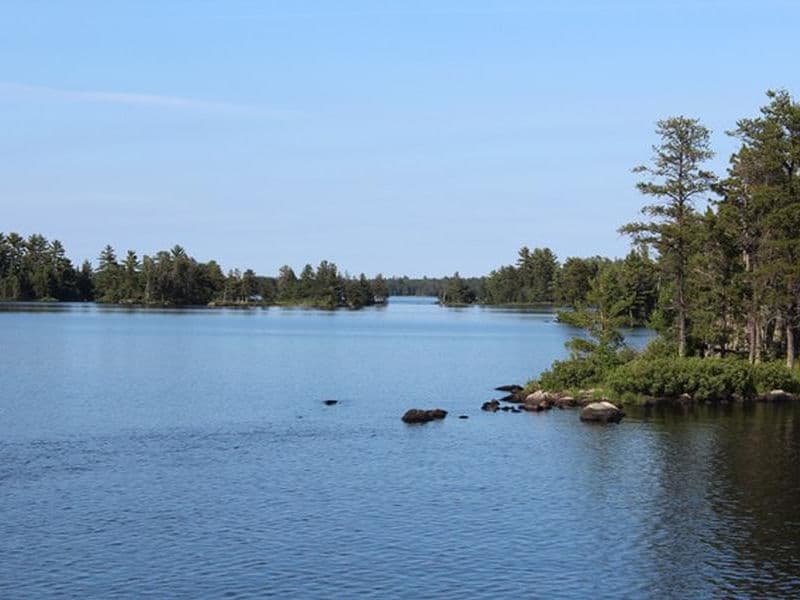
point(188, 453)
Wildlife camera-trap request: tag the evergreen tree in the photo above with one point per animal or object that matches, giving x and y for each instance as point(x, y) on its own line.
point(677, 179)
point(457, 292)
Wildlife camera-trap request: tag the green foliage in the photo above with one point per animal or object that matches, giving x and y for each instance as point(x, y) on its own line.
point(532, 280)
point(581, 371)
point(326, 287)
point(575, 278)
point(659, 347)
point(457, 292)
point(37, 269)
point(774, 375)
point(581, 283)
point(649, 375)
point(426, 286)
point(703, 379)
point(380, 288)
point(675, 179)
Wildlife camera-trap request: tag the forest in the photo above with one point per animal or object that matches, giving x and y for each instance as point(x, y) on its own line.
point(727, 274)
point(34, 268)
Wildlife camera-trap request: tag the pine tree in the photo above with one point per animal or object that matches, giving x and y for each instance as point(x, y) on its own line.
point(676, 180)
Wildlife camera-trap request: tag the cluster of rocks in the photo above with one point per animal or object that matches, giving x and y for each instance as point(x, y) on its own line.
point(417, 415)
point(591, 410)
point(517, 401)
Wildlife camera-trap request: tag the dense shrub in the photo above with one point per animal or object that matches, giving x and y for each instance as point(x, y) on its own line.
point(572, 373)
point(774, 376)
point(583, 372)
point(659, 347)
point(704, 379)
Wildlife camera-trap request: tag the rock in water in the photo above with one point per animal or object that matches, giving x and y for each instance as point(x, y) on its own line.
point(491, 406)
point(330, 402)
point(601, 412)
point(776, 396)
point(416, 415)
point(511, 389)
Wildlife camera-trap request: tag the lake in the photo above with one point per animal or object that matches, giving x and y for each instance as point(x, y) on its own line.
point(188, 453)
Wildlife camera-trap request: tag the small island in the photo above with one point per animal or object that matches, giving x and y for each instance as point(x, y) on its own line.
point(35, 269)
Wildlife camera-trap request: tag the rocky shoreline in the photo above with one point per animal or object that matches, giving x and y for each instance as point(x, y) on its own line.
point(594, 407)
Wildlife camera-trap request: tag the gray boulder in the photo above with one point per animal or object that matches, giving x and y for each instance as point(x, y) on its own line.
point(601, 412)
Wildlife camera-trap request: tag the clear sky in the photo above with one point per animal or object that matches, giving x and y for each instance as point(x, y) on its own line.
point(405, 137)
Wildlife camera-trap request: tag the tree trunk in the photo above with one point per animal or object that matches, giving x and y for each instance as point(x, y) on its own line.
point(681, 315)
point(757, 340)
point(789, 346)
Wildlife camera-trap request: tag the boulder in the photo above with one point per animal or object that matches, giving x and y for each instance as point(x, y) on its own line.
point(540, 396)
point(601, 412)
point(777, 396)
point(566, 402)
point(416, 415)
point(536, 397)
point(330, 402)
point(491, 406)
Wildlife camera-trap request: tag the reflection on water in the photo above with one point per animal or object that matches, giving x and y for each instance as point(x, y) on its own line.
point(188, 453)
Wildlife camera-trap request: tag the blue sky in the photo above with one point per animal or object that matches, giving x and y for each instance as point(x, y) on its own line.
point(404, 137)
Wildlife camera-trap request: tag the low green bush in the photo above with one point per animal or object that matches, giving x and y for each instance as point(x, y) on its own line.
point(571, 373)
point(774, 376)
point(705, 379)
point(583, 372)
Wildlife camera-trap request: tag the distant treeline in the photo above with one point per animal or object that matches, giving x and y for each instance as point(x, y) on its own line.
point(430, 286)
point(34, 268)
point(537, 277)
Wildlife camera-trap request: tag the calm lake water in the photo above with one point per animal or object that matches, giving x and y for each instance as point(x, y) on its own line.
point(188, 454)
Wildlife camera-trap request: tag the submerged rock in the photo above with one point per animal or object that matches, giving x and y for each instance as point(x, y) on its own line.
point(601, 412)
point(330, 402)
point(416, 415)
point(463, 416)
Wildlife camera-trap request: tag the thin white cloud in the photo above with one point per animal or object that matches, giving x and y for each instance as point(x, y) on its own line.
point(11, 90)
